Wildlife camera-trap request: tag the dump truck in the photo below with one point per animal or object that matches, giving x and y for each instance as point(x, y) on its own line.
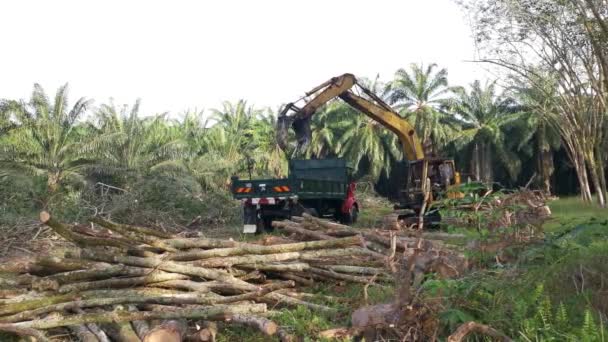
point(319, 187)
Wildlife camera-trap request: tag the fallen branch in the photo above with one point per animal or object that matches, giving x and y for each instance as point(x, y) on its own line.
point(473, 327)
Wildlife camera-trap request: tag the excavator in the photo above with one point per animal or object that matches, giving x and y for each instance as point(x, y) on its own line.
point(428, 177)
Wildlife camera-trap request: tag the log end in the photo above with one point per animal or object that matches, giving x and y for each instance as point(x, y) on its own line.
point(45, 216)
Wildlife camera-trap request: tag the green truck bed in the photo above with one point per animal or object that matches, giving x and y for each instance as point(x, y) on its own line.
point(308, 179)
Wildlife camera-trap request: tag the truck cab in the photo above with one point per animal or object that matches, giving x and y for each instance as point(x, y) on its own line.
point(320, 187)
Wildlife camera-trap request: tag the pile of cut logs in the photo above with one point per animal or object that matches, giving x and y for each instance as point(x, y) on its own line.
point(130, 283)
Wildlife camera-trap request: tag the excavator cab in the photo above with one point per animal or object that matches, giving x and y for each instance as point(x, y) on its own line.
point(441, 176)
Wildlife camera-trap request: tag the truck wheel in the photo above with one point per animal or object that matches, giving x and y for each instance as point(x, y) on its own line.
point(312, 212)
point(351, 217)
point(264, 225)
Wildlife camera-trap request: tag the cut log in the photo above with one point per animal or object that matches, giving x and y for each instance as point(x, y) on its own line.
point(290, 267)
point(341, 334)
point(207, 332)
point(356, 269)
point(136, 236)
point(183, 285)
point(340, 276)
point(142, 230)
point(80, 304)
point(263, 325)
point(325, 223)
point(24, 304)
point(168, 266)
point(81, 240)
point(45, 265)
point(55, 264)
point(168, 331)
point(304, 295)
point(141, 328)
point(253, 276)
point(298, 279)
point(284, 336)
point(23, 332)
point(217, 312)
point(295, 228)
point(95, 329)
point(20, 265)
point(120, 332)
point(106, 272)
point(202, 243)
point(11, 293)
point(278, 298)
point(268, 258)
point(153, 277)
point(272, 249)
point(298, 219)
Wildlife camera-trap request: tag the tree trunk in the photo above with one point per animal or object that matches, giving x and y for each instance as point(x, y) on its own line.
point(581, 172)
point(475, 161)
point(595, 178)
point(488, 167)
point(601, 169)
point(547, 170)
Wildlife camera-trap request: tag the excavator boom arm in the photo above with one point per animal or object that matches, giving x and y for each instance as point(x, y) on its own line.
point(341, 87)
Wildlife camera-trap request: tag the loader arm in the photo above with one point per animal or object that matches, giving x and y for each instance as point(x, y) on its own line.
point(341, 87)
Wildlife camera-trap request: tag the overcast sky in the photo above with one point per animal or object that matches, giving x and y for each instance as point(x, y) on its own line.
point(178, 55)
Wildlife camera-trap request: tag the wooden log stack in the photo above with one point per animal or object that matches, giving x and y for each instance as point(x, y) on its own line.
point(129, 283)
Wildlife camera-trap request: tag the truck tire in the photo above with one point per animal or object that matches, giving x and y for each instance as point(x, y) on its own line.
point(264, 225)
point(350, 217)
point(312, 212)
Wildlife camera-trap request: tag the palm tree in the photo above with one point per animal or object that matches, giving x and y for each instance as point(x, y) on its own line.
point(327, 125)
point(46, 142)
point(420, 95)
point(6, 122)
point(538, 136)
point(129, 147)
point(366, 139)
point(236, 118)
point(483, 116)
point(271, 159)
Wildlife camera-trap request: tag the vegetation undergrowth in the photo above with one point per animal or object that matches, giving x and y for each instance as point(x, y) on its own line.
point(555, 291)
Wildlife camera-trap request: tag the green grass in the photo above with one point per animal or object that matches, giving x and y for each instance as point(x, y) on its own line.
point(571, 211)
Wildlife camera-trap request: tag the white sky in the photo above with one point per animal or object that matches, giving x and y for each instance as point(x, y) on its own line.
point(181, 54)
